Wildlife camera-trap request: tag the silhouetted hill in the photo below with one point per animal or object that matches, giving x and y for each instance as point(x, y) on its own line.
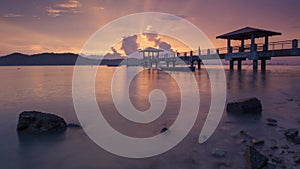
point(19, 59)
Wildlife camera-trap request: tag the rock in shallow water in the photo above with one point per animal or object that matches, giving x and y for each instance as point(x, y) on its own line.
point(219, 153)
point(163, 130)
point(271, 122)
point(245, 106)
point(34, 122)
point(255, 159)
point(291, 133)
point(74, 125)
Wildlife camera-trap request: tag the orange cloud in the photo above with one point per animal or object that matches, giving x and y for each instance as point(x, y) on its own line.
point(70, 7)
point(54, 12)
point(70, 4)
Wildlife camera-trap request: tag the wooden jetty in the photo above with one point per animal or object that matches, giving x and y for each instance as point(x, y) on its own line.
point(253, 51)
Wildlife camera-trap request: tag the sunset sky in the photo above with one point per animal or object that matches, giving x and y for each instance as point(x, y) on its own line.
point(35, 26)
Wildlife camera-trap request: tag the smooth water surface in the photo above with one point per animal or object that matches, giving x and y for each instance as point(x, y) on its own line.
point(49, 89)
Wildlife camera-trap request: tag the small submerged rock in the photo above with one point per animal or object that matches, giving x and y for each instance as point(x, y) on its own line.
point(296, 140)
point(276, 159)
point(258, 142)
point(246, 134)
point(291, 133)
point(297, 159)
point(271, 122)
point(285, 146)
point(219, 153)
point(245, 106)
point(163, 130)
point(255, 159)
point(35, 122)
point(74, 125)
point(274, 147)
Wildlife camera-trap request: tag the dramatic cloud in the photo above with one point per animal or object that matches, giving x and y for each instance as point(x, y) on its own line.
point(129, 44)
point(153, 37)
point(63, 8)
point(164, 45)
point(71, 4)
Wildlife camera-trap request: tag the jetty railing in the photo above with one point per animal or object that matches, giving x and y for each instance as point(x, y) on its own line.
point(278, 45)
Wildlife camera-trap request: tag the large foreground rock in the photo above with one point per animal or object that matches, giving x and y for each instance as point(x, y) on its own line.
point(245, 106)
point(37, 122)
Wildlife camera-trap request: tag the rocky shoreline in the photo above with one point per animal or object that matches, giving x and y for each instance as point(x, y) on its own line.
point(259, 153)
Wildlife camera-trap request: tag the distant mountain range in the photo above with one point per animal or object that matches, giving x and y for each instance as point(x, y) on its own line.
point(19, 59)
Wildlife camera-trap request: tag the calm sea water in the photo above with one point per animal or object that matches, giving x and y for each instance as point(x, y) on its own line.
point(49, 89)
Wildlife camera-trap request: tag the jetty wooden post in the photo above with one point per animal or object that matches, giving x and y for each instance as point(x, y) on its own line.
point(263, 64)
point(229, 51)
point(231, 65)
point(199, 64)
point(208, 52)
point(239, 64)
point(255, 65)
point(253, 49)
point(295, 44)
point(191, 59)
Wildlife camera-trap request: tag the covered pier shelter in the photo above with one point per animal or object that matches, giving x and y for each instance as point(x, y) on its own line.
point(244, 52)
point(151, 55)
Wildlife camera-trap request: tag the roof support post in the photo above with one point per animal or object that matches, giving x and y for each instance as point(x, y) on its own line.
point(263, 64)
point(253, 45)
point(242, 48)
point(266, 45)
point(229, 49)
point(149, 60)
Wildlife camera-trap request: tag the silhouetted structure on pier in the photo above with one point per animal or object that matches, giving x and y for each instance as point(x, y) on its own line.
point(253, 51)
point(246, 34)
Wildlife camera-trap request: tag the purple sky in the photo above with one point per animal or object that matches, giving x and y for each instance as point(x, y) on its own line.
point(34, 26)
